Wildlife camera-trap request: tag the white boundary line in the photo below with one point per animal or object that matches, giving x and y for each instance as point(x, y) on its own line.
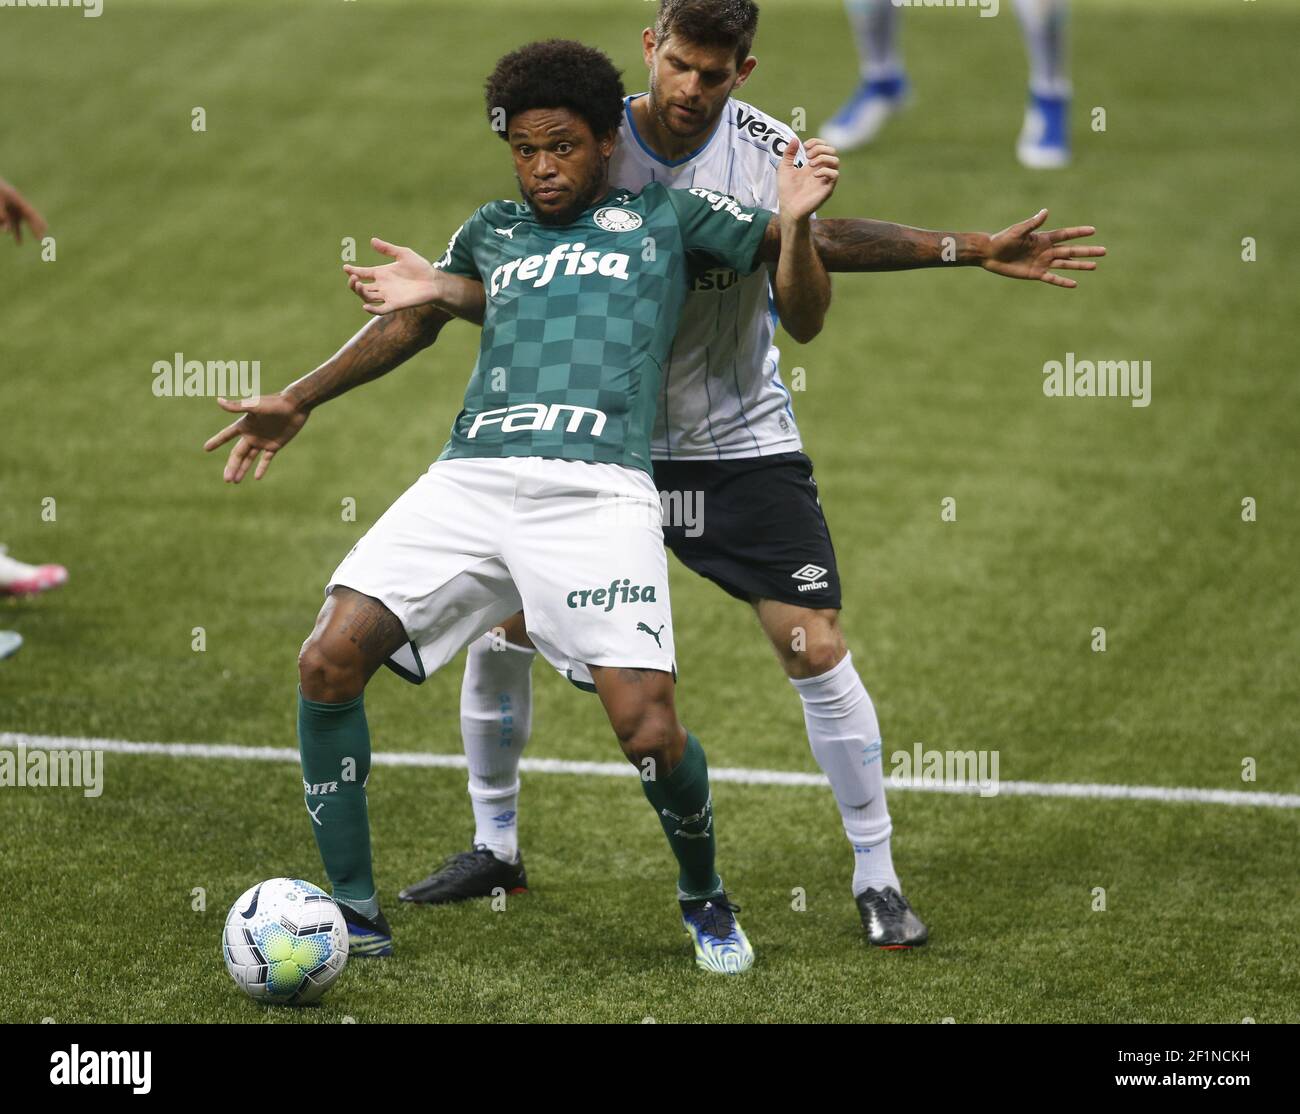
point(736, 775)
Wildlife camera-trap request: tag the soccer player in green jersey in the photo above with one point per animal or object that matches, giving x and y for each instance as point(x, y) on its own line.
point(698, 51)
point(542, 497)
point(725, 439)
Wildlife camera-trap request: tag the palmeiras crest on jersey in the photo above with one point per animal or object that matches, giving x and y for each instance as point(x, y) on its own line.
point(617, 220)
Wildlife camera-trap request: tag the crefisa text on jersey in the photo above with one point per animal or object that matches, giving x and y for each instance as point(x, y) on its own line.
point(721, 203)
point(540, 269)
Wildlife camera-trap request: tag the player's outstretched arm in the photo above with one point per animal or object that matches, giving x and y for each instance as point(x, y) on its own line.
point(1020, 251)
point(802, 288)
point(411, 280)
point(267, 424)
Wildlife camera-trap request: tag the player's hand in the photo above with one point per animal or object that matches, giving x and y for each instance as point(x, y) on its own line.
point(410, 280)
point(1023, 252)
point(15, 209)
point(266, 426)
point(801, 189)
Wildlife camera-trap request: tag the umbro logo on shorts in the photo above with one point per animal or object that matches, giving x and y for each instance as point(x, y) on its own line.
point(811, 574)
point(619, 591)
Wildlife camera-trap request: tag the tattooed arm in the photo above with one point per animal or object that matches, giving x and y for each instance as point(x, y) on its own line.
point(1020, 251)
point(877, 245)
point(385, 343)
point(268, 424)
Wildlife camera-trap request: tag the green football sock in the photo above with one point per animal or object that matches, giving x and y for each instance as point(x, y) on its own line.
point(685, 809)
point(334, 741)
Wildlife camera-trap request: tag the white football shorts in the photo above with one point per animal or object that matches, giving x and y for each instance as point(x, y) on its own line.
point(578, 545)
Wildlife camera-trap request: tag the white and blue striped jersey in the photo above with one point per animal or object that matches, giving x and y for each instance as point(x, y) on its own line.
point(722, 395)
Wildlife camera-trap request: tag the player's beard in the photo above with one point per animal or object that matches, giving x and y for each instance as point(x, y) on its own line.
point(583, 199)
point(660, 109)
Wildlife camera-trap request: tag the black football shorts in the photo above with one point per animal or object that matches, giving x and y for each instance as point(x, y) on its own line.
point(753, 526)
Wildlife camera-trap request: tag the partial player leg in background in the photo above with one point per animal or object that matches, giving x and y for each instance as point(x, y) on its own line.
point(765, 540)
point(20, 579)
point(882, 86)
point(845, 738)
point(496, 712)
point(1044, 141)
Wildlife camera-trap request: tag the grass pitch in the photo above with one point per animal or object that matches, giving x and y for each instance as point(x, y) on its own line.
point(326, 121)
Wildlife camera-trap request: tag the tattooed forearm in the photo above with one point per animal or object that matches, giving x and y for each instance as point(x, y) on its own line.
point(384, 343)
point(875, 245)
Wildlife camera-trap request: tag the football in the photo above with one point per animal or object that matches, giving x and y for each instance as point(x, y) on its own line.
point(285, 942)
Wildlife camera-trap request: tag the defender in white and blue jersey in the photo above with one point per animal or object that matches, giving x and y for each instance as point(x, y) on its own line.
point(722, 397)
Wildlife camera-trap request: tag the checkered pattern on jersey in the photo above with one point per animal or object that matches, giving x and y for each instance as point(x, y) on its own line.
point(590, 347)
point(580, 321)
point(594, 340)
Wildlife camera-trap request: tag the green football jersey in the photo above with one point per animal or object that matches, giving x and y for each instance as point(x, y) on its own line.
point(580, 318)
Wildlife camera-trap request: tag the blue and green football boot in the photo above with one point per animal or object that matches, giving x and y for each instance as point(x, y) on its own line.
point(720, 943)
point(368, 937)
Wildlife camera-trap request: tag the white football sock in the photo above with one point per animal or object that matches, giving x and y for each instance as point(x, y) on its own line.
point(1043, 24)
point(875, 29)
point(496, 712)
point(845, 738)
